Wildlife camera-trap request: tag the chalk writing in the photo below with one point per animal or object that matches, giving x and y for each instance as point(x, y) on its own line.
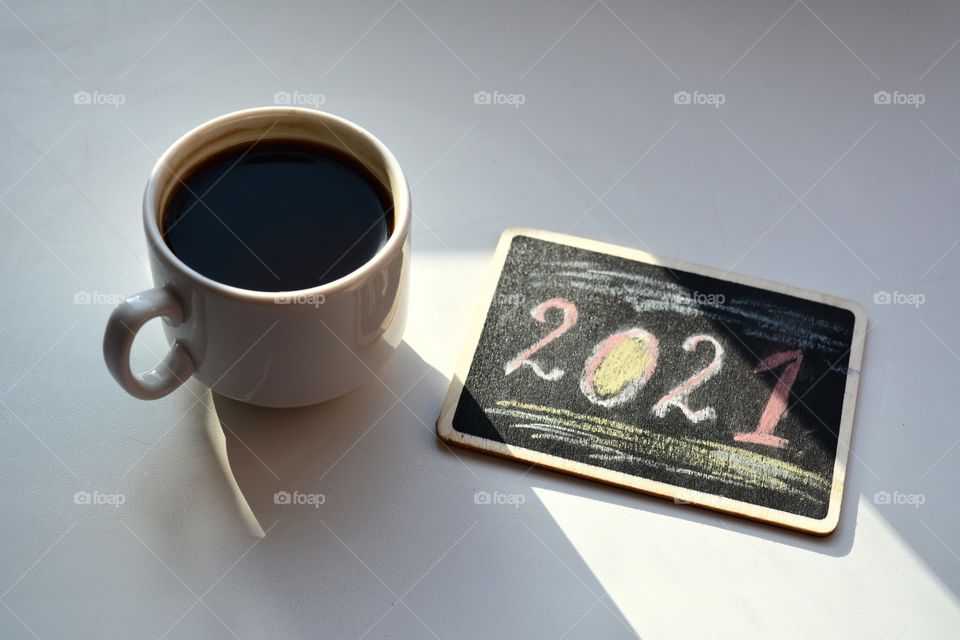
point(675, 379)
point(679, 396)
point(777, 404)
point(619, 367)
point(539, 314)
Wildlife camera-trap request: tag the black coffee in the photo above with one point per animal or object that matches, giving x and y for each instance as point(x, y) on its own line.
point(277, 216)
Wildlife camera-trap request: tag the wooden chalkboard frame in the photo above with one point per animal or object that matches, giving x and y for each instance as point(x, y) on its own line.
point(822, 527)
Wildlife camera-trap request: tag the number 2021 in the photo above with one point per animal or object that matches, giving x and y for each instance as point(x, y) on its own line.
point(621, 364)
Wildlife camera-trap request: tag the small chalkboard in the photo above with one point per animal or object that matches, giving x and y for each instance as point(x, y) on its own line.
point(709, 388)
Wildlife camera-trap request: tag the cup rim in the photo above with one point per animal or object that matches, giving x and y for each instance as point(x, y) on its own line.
point(398, 188)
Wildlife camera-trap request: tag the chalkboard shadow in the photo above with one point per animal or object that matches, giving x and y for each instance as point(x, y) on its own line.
point(838, 544)
point(377, 526)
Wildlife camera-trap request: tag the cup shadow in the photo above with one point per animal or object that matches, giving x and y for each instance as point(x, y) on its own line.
point(380, 522)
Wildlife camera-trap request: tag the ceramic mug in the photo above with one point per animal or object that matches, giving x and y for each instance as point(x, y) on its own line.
point(278, 349)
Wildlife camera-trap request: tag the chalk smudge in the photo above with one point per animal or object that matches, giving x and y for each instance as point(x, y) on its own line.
point(612, 440)
point(751, 317)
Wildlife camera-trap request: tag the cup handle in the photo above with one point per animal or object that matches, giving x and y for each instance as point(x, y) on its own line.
point(122, 327)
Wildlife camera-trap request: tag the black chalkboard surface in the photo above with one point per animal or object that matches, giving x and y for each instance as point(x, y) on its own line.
point(713, 389)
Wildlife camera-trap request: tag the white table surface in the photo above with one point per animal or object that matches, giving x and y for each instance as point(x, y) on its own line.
point(797, 177)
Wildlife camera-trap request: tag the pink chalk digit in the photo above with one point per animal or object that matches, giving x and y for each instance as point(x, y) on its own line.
point(646, 366)
point(679, 396)
point(777, 404)
point(539, 314)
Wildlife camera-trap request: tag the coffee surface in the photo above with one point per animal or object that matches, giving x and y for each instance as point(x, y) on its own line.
point(277, 216)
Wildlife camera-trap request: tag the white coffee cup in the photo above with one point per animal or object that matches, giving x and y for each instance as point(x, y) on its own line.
point(278, 349)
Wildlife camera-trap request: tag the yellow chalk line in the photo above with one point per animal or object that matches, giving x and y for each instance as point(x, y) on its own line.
point(657, 454)
point(738, 464)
